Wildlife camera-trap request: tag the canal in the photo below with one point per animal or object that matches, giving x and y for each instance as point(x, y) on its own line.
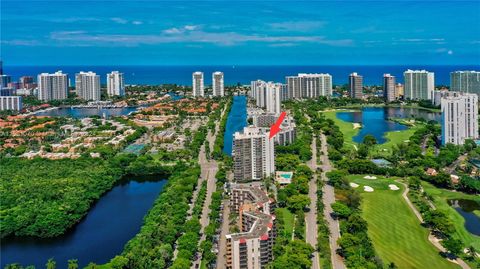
point(237, 119)
point(110, 223)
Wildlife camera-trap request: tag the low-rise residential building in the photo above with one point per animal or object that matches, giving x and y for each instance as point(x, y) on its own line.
point(252, 247)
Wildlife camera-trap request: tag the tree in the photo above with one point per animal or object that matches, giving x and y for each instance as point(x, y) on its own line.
point(298, 202)
point(472, 252)
point(369, 140)
point(73, 264)
point(51, 264)
point(454, 246)
point(341, 210)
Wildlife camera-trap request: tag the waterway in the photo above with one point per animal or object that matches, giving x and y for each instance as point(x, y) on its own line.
point(237, 119)
point(87, 112)
point(110, 223)
point(465, 208)
point(374, 120)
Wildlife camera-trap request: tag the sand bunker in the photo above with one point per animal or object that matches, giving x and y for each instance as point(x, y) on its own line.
point(357, 126)
point(367, 188)
point(393, 187)
point(353, 185)
point(370, 177)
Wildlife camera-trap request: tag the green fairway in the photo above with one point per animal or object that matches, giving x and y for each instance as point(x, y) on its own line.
point(396, 233)
point(440, 200)
point(345, 127)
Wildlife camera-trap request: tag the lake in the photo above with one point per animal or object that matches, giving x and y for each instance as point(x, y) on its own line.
point(465, 208)
point(109, 225)
point(374, 120)
point(237, 119)
point(87, 112)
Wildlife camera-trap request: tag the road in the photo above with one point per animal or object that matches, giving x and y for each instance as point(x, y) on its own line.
point(222, 243)
point(328, 200)
point(311, 216)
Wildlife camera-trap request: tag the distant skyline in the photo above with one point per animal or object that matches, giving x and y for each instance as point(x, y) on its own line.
point(209, 33)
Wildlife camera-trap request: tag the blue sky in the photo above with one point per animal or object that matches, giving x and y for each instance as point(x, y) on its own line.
point(239, 33)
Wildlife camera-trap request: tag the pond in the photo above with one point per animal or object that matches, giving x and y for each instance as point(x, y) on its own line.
point(237, 119)
point(110, 223)
point(374, 120)
point(465, 208)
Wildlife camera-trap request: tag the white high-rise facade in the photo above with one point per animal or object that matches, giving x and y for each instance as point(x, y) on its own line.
point(52, 86)
point(87, 86)
point(309, 86)
point(389, 88)
point(460, 118)
point(267, 95)
point(253, 154)
point(273, 99)
point(115, 84)
point(197, 84)
point(11, 103)
point(465, 81)
point(419, 84)
point(356, 85)
point(218, 86)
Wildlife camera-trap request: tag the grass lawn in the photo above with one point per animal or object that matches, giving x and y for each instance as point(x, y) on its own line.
point(288, 219)
point(396, 233)
point(440, 197)
point(345, 127)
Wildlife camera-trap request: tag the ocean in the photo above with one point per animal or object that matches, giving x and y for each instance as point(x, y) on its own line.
point(182, 75)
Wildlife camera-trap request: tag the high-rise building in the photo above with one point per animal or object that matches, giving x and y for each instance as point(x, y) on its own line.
point(309, 86)
point(267, 95)
point(11, 103)
point(218, 84)
point(273, 97)
point(253, 154)
point(197, 84)
point(460, 118)
point(389, 88)
point(419, 84)
point(399, 91)
point(287, 133)
point(4, 80)
point(26, 82)
point(252, 247)
point(465, 81)
point(87, 86)
point(437, 96)
point(355, 83)
point(115, 84)
point(52, 86)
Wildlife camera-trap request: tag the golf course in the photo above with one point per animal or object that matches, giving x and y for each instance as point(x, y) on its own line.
point(394, 229)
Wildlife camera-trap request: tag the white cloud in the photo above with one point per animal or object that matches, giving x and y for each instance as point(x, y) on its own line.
point(176, 35)
point(450, 52)
point(297, 25)
point(119, 20)
point(190, 27)
point(137, 22)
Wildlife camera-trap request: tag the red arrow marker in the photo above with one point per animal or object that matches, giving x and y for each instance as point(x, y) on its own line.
point(276, 127)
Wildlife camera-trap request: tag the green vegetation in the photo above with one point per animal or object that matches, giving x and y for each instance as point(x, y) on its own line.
point(152, 247)
point(396, 233)
point(218, 144)
point(440, 197)
point(43, 198)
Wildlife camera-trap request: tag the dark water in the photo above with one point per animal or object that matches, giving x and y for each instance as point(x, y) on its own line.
point(87, 112)
point(465, 208)
point(101, 235)
point(153, 75)
point(237, 119)
point(374, 121)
